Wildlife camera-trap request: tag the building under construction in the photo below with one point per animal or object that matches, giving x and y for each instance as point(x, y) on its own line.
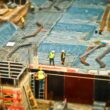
point(30, 30)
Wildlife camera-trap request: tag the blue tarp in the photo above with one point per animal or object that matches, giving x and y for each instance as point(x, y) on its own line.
point(98, 2)
point(70, 49)
point(73, 27)
point(76, 20)
point(6, 31)
point(39, 2)
point(85, 13)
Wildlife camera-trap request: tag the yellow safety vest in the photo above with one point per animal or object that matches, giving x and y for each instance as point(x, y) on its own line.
point(40, 75)
point(51, 55)
point(22, 20)
point(63, 55)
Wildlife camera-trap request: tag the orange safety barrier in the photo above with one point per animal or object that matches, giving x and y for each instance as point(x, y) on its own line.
point(8, 91)
point(10, 99)
point(16, 108)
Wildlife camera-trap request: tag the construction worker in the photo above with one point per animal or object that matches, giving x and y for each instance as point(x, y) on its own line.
point(63, 54)
point(51, 57)
point(40, 75)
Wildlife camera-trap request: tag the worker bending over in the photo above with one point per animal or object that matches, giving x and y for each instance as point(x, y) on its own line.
point(40, 75)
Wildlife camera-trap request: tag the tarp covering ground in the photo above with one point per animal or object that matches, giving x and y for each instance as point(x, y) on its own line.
point(6, 31)
point(73, 33)
point(71, 28)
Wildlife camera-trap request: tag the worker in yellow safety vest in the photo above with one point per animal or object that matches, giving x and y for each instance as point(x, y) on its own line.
point(51, 57)
point(40, 75)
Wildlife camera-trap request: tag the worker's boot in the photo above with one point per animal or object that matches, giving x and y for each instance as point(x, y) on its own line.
point(62, 63)
point(83, 60)
point(102, 65)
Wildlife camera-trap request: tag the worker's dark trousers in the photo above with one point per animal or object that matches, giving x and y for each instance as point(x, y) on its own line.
point(51, 61)
point(62, 61)
point(41, 83)
point(98, 59)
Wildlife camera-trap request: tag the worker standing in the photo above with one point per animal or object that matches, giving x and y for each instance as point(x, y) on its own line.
point(51, 57)
point(63, 54)
point(40, 75)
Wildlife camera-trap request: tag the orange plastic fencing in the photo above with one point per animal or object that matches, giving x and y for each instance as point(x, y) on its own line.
point(16, 108)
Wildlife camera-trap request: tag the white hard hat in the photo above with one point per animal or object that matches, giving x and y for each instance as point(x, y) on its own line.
point(63, 50)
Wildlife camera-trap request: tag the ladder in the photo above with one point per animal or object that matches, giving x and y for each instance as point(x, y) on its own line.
point(33, 83)
point(31, 97)
point(41, 93)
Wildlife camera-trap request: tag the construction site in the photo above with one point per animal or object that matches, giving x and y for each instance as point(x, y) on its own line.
point(67, 42)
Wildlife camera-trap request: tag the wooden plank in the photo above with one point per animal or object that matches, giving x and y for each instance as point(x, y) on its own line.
point(3, 71)
point(12, 72)
point(3, 64)
point(104, 19)
point(3, 67)
point(108, 24)
point(19, 66)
